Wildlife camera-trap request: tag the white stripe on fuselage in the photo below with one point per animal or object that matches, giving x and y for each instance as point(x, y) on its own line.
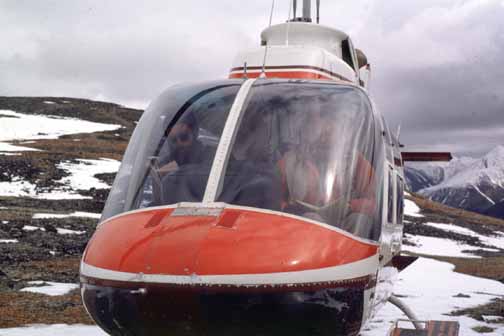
point(349, 271)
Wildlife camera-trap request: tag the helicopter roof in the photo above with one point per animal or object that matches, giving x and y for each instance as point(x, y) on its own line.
point(305, 34)
point(301, 50)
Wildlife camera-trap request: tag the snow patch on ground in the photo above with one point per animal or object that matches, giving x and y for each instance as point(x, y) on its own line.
point(441, 247)
point(85, 214)
point(73, 214)
point(491, 318)
point(81, 177)
point(17, 188)
point(59, 230)
point(497, 241)
point(19, 126)
point(411, 209)
point(32, 228)
point(50, 288)
point(21, 188)
point(9, 241)
point(82, 173)
point(430, 288)
point(5, 147)
point(54, 330)
point(67, 231)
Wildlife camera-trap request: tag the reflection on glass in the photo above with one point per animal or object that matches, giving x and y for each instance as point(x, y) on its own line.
point(304, 148)
point(171, 152)
point(308, 149)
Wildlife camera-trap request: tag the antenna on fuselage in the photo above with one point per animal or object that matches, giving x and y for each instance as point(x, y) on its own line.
point(263, 72)
point(289, 20)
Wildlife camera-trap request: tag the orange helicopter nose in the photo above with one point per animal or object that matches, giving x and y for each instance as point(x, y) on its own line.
point(214, 271)
point(221, 242)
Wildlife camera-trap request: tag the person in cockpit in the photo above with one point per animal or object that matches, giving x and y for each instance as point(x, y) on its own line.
point(314, 173)
point(184, 147)
point(361, 203)
point(184, 164)
point(300, 175)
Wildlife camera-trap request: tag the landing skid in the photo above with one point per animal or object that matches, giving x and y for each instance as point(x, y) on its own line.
point(422, 328)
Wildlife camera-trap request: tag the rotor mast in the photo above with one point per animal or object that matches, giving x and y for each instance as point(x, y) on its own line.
point(306, 12)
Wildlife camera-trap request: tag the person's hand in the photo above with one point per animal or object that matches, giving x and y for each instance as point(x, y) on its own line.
point(169, 168)
point(340, 203)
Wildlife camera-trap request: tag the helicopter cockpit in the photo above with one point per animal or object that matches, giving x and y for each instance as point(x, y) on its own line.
point(310, 149)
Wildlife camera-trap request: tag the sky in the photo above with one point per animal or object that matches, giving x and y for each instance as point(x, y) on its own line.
point(437, 68)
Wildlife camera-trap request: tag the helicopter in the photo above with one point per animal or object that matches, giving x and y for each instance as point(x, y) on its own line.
point(269, 202)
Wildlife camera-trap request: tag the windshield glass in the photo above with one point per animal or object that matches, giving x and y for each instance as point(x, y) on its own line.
point(308, 149)
point(170, 154)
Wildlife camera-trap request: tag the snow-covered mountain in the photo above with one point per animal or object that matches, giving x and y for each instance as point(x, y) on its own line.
point(466, 183)
point(421, 175)
point(418, 178)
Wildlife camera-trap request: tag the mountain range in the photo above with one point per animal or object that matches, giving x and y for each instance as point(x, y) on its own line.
point(474, 184)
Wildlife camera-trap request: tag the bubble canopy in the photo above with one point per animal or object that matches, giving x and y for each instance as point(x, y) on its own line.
point(311, 149)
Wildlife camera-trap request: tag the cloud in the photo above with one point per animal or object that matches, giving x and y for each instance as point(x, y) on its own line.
point(438, 73)
point(436, 63)
point(89, 49)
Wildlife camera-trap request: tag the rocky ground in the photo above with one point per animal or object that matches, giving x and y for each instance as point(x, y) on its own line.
point(490, 266)
point(433, 212)
point(45, 255)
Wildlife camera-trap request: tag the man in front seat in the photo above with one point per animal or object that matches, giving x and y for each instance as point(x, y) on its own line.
point(183, 146)
point(185, 164)
point(327, 178)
